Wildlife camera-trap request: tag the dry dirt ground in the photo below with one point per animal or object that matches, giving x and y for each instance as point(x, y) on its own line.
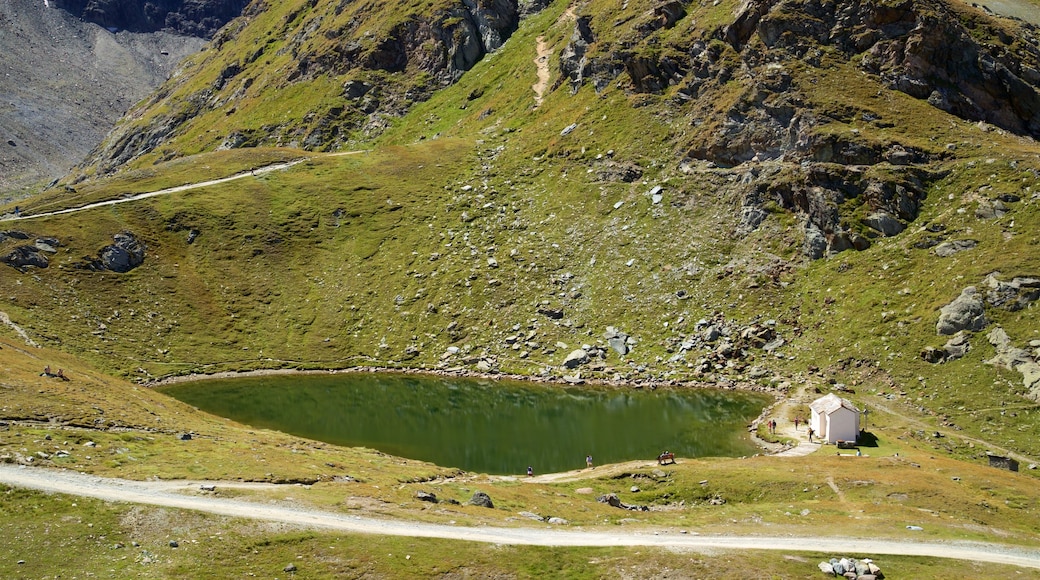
point(166, 494)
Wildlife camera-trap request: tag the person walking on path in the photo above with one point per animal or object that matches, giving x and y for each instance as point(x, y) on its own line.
point(810, 434)
point(796, 421)
point(588, 461)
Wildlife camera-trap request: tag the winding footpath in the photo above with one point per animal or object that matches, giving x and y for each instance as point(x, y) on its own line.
point(189, 186)
point(165, 494)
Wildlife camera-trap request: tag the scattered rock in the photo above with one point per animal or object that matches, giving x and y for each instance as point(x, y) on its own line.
point(289, 568)
point(955, 348)
point(990, 209)
point(481, 499)
point(966, 312)
point(617, 340)
point(884, 223)
point(185, 437)
point(426, 496)
point(551, 313)
point(174, 544)
point(947, 249)
point(125, 254)
point(23, 256)
point(1016, 359)
point(532, 516)
point(576, 358)
point(558, 521)
point(49, 245)
point(613, 500)
point(1012, 296)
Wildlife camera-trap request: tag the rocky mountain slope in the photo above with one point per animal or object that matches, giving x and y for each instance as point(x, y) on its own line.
point(755, 192)
point(198, 18)
point(67, 79)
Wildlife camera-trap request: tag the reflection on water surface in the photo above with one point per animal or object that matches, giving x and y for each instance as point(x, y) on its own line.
point(486, 426)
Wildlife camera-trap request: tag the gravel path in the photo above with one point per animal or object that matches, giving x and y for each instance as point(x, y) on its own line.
point(163, 494)
point(139, 196)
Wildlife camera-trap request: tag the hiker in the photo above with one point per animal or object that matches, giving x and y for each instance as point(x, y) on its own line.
point(588, 461)
point(47, 371)
point(61, 375)
point(811, 432)
point(796, 421)
point(530, 471)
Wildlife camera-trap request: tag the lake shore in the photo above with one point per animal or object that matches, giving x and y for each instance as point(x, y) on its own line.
point(725, 384)
point(768, 447)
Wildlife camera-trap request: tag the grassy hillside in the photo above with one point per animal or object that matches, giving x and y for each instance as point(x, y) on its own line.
point(477, 211)
point(518, 231)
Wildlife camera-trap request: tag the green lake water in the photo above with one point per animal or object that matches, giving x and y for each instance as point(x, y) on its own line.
point(495, 427)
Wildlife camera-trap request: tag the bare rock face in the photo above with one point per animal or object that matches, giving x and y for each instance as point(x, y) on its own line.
point(57, 109)
point(957, 59)
point(199, 18)
point(442, 45)
point(1010, 357)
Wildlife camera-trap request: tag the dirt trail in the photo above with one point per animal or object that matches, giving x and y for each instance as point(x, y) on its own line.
point(834, 486)
point(542, 62)
point(186, 187)
point(5, 319)
point(160, 494)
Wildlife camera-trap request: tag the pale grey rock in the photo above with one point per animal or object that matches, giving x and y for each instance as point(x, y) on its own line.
point(966, 312)
point(884, 223)
point(576, 358)
point(947, 249)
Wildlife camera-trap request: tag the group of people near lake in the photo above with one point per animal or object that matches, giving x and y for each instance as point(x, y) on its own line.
point(58, 375)
point(588, 464)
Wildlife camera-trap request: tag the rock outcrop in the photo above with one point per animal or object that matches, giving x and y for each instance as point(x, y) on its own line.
point(966, 65)
point(23, 256)
point(382, 76)
point(124, 254)
point(200, 18)
point(966, 312)
point(1013, 358)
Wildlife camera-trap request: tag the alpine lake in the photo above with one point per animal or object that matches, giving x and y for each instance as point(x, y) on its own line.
point(486, 426)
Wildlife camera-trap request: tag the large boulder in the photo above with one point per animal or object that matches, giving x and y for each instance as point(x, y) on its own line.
point(965, 313)
point(884, 223)
point(947, 249)
point(125, 254)
point(23, 256)
point(481, 499)
point(576, 358)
